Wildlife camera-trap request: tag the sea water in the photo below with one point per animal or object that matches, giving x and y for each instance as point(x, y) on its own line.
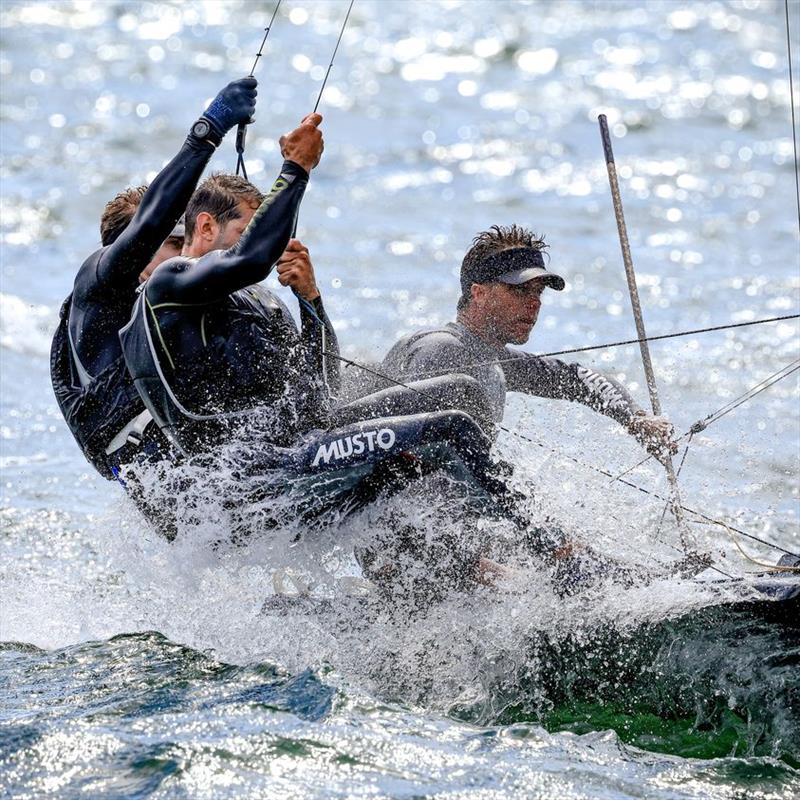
point(131, 667)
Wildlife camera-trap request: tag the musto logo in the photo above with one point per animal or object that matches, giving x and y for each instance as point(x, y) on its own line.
point(355, 445)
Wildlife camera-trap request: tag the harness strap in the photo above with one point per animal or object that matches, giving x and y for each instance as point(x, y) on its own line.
point(132, 433)
point(163, 380)
point(83, 374)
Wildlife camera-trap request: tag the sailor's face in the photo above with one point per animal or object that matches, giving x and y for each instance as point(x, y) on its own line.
point(229, 233)
point(510, 311)
point(170, 249)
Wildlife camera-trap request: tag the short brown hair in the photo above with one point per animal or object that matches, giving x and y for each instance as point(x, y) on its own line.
point(495, 240)
point(119, 212)
point(220, 196)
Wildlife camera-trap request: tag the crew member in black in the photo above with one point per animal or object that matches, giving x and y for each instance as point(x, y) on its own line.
point(91, 383)
point(217, 358)
point(503, 276)
point(217, 214)
point(209, 350)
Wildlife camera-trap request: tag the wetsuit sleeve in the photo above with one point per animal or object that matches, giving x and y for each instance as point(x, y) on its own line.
point(553, 378)
point(217, 274)
point(320, 338)
point(164, 201)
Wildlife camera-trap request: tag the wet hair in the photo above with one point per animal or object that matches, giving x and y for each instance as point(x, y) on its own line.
point(495, 240)
point(220, 195)
point(119, 212)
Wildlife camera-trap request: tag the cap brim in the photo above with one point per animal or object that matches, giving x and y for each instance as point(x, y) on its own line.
point(532, 273)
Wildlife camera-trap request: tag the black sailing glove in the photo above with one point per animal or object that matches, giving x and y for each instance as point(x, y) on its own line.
point(235, 104)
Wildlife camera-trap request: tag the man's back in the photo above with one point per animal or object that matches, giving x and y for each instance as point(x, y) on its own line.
point(221, 359)
point(100, 307)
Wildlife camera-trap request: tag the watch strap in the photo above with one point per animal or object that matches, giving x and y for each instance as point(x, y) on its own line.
point(212, 137)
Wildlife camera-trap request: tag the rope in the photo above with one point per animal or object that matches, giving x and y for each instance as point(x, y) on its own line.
point(241, 131)
point(335, 49)
point(677, 475)
point(711, 418)
point(431, 374)
point(791, 104)
point(577, 461)
point(748, 557)
point(727, 408)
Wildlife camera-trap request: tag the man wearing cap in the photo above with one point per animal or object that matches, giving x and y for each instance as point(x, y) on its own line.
point(503, 276)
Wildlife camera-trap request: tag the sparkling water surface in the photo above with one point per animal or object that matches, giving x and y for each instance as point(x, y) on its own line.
point(135, 668)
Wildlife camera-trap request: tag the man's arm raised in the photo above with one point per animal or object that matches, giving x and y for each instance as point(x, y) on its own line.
point(166, 198)
point(219, 273)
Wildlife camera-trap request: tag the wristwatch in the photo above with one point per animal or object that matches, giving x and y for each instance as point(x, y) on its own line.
point(202, 130)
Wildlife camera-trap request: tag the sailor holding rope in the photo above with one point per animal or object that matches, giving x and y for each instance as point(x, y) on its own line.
point(503, 277)
point(138, 230)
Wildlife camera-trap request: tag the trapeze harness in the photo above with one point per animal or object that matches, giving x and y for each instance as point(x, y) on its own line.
point(95, 393)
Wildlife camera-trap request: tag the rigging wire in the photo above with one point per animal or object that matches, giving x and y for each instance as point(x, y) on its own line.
point(730, 326)
point(335, 49)
point(241, 131)
point(702, 424)
point(791, 104)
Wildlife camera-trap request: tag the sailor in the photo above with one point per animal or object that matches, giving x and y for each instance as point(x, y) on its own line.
point(95, 393)
point(213, 354)
point(219, 362)
point(503, 277)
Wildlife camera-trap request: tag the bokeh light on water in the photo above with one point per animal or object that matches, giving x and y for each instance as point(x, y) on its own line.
point(441, 118)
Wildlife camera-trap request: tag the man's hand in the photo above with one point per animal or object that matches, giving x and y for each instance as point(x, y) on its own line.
point(654, 434)
point(235, 104)
point(296, 270)
point(304, 145)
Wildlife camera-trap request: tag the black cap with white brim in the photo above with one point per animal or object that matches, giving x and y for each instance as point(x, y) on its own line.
point(513, 266)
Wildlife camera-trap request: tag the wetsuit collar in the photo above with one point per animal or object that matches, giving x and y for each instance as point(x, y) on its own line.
point(473, 341)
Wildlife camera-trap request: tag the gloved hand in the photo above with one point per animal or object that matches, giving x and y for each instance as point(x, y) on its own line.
point(235, 104)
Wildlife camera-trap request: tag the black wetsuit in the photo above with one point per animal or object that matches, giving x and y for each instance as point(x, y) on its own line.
point(212, 352)
point(90, 379)
point(455, 349)
point(218, 359)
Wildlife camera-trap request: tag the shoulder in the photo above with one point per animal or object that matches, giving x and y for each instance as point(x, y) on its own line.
point(427, 339)
point(427, 349)
point(166, 274)
point(87, 281)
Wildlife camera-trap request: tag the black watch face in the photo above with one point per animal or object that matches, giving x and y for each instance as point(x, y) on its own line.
point(201, 128)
